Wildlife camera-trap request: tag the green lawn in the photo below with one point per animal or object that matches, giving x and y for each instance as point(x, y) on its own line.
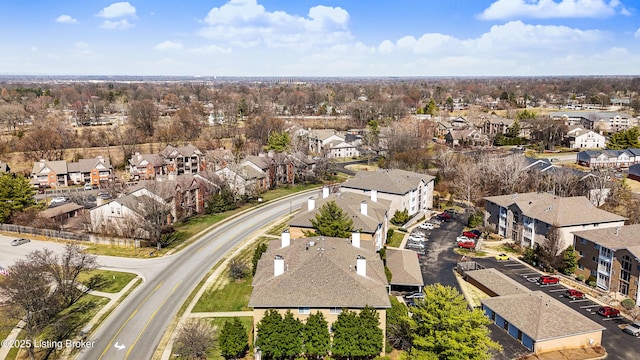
point(396, 239)
point(229, 295)
point(6, 324)
point(107, 281)
point(278, 229)
point(287, 190)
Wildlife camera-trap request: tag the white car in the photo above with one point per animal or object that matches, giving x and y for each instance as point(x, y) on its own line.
point(426, 226)
point(464, 239)
point(59, 200)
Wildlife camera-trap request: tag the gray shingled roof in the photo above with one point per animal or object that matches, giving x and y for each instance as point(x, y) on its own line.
point(556, 210)
point(153, 159)
point(540, 316)
point(86, 165)
point(350, 203)
point(497, 282)
point(615, 238)
point(405, 267)
point(394, 181)
point(59, 210)
point(321, 275)
point(58, 166)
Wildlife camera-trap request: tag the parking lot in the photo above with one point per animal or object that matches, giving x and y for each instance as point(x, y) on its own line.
point(618, 344)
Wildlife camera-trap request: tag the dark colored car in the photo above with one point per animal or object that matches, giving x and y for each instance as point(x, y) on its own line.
point(574, 294)
point(547, 280)
point(470, 235)
point(466, 245)
point(608, 311)
point(476, 231)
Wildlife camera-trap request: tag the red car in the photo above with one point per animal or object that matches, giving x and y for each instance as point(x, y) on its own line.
point(547, 280)
point(608, 311)
point(444, 215)
point(470, 235)
point(574, 294)
point(466, 245)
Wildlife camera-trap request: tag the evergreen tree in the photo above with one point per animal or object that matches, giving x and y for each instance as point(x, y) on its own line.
point(624, 139)
point(370, 336)
point(357, 335)
point(345, 330)
point(332, 221)
point(398, 326)
point(233, 340)
point(257, 254)
point(317, 339)
point(269, 339)
point(444, 328)
point(279, 141)
point(570, 261)
point(16, 194)
point(292, 335)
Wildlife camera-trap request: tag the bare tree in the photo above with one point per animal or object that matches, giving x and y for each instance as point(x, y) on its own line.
point(194, 340)
point(143, 116)
point(64, 270)
point(552, 246)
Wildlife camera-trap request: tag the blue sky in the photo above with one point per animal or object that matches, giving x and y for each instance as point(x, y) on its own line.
point(321, 37)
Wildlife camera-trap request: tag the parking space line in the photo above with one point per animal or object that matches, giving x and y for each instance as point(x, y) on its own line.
point(532, 279)
point(527, 274)
point(556, 290)
point(589, 306)
point(579, 300)
point(517, 264)
point(613, 318)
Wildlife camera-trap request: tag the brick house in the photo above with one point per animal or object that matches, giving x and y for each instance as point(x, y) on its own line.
point(611, 255)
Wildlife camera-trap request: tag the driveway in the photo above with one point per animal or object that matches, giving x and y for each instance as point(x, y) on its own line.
point(618, 344)
point(438, 263)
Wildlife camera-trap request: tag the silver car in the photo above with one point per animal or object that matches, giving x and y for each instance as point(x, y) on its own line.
point(633, 329)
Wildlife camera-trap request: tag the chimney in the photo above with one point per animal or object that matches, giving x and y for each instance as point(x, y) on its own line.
point(374, 195)
point(286, 238)
point(363, 207)
point(171, 176)
point(41, 163)
point(361, 265)
point(355, 239)
point(311, 203)
point(278, 265)
point(325, 192)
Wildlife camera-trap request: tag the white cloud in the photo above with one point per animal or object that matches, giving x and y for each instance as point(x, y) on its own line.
point(66, 19)
point(81, 45)
point(116, 25)
point(246, 23)
point(210, 49)
point(546, 9)
point(118, 10)
point(168, 45)
point(637, 34)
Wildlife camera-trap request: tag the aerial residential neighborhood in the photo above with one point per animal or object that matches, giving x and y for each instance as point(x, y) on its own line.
point(320, 222)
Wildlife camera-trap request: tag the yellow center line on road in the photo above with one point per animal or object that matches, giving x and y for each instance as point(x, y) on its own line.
point(126, 322)
point(149, 321)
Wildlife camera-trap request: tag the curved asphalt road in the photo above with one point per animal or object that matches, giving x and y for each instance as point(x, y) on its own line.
point(139, 323)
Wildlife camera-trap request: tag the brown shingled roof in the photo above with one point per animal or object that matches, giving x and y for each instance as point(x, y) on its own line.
point(615, 238)
point(540, 316)
point(393, 181)
point(405, 267)
point(319, 275)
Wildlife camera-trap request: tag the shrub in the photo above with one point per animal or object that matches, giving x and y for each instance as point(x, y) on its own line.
point(628, 304)
point(387, 272)
point(592, 284)
point(591, 279)
point(580, 277)
point(389, 234)
point(476, 219)
point(400, 217)
point(238, 269)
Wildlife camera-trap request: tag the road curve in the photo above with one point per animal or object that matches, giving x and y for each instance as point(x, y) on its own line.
point(134, 329)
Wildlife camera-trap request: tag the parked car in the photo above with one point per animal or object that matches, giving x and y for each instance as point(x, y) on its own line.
point(415, 245)
point(59, 200)
point(20, 241)
point(104, 195)
point(548, 280)
point(464, 239)
point(426, 226)
point(470, 235)
point(501, 257)
point(417, 295)
point(574, 294)
point(466, 245)
point(88, 186)
point(444, 215)
point(451, 211)
point(608, 311)
point(633, 329)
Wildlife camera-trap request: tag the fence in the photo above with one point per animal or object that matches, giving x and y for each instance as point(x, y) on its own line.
point(66, 235)
point(465, 266)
